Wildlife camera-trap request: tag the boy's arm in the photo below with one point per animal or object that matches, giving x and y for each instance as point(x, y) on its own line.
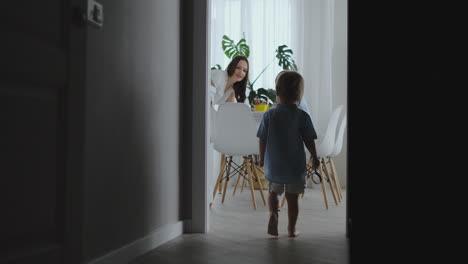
point(262, 146)
point(310, 145)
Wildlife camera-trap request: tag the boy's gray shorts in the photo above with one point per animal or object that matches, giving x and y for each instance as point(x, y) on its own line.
point(290, 188)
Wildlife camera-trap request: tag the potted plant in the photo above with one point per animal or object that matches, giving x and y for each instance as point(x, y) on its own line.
point(261, 95)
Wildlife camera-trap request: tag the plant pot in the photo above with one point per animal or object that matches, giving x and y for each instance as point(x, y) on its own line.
point(261, 108)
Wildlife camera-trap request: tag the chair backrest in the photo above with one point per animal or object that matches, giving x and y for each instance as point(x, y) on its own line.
point(212, 122)
point(212, 111)
point(339, 140)
point(325, 148)
point(235, 130)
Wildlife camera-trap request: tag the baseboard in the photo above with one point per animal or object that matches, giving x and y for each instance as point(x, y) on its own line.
point(187, 226)
point(141, 246)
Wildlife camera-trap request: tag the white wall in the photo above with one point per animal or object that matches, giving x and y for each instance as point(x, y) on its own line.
point(340, 78)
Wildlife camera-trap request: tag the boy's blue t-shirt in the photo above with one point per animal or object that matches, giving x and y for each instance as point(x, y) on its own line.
point(284, 129)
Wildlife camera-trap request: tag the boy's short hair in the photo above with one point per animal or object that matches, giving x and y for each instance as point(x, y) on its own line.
point(289, 86)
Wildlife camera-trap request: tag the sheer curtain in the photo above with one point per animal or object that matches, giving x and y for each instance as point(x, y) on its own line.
point(305, 26)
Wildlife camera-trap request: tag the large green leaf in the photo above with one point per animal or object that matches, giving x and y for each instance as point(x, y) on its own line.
point(285, 59)
point(260, 74)
point(231, 50)
point(216, 67)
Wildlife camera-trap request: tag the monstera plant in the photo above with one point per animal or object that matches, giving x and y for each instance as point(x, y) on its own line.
point(282, 54)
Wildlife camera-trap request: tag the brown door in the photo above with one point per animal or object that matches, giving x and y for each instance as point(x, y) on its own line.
point(35, 70)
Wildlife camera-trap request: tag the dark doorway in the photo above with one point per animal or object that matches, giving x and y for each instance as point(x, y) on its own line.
point(39, 106)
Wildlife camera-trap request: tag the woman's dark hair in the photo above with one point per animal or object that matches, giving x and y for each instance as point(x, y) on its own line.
point(239, 87)
point(289, 87)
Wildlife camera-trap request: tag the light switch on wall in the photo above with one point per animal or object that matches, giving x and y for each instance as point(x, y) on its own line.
point(95, 13)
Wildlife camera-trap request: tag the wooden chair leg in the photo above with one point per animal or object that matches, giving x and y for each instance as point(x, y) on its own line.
point(237, 183)
point(220, 176)
point(339, 187)
point(227, 178)
point(324, 191)
point(333, 179)
point(251, 186)
point(337, 180)
point(243, 179)
point(257, 176)
point(223, 163)
point(324, 164)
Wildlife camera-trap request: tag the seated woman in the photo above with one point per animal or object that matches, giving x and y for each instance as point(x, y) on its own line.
point(231, 84)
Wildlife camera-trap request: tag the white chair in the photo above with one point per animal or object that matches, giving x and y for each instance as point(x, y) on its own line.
point(336, 151)
point(235, 136)
point(325, 148)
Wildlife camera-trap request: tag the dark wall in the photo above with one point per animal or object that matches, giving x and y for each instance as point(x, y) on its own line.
point(132, 178)
point(33, 86)
point(186, 37)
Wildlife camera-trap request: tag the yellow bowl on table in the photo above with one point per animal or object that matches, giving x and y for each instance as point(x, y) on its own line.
point(261, 107)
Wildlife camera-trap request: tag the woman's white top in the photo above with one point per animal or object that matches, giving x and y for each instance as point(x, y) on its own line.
point(220, 78)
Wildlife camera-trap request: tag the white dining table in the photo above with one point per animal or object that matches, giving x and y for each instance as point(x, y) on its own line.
point(257, 115)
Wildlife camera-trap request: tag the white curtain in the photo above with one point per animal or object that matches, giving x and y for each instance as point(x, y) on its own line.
point(305, 26)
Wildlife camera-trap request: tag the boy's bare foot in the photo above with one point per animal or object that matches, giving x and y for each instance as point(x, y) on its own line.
point(273, 225)
point(293, 234)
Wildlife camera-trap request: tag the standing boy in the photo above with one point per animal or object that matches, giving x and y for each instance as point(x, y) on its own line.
point(282, 134)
